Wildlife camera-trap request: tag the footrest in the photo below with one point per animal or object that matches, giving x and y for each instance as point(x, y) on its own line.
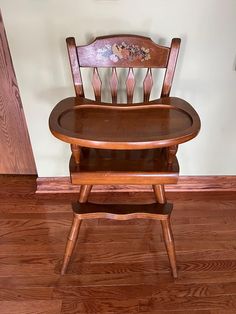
point(122, 211)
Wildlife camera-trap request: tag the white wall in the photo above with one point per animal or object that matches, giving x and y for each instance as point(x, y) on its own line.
point(205, 76)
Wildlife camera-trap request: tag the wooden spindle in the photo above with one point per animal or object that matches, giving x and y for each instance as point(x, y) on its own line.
point(171, 152)
point(97, 84)
point(76, 152)
point(159, 192)
point(170, 69)
point(84, 193)
point(147, 85)
point(75, 68)
point(71, 243)
point(114, 85)
point(170, 245)
point(130, 84)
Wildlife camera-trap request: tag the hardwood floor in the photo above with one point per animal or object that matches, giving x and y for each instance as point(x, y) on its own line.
point(118, 266)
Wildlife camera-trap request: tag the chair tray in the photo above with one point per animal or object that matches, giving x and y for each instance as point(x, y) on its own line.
point(160, 123)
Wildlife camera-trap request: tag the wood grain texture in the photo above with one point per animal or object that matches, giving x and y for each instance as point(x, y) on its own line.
point(84, 193)
point(118, 266)
point(75, 149)
point(122, 211)
point(74, 63)
point(123, 167)
point(124, 51)
point(185, 183)
point(147, 85)
point(97, 84)
point(86, 210)
point(149, 126)
point(130, 84)
point(170, 70)
point(168, 121)
point(31, 307)
point(92, 55)
point(114, 85)
point(71, 242)
point(16, 152)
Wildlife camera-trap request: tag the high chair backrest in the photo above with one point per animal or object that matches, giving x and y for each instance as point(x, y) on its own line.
point(123, 51)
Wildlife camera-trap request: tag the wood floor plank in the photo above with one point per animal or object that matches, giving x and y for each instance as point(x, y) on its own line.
point(30, 307)
point(161, 291)
point(117, 279)
point(181, 312)
point(117, 266)
point(152, 266)
point(21, 265)
point(192, 303)
point(25, 294)
point(150, 304)
point(46, 265)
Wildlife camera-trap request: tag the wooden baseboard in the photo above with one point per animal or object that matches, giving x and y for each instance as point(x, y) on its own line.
point(185, 184)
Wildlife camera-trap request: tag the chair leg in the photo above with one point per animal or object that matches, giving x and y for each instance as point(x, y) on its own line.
point(169, 243)
point(84, 193)
point(71, 242)
point(159, 191)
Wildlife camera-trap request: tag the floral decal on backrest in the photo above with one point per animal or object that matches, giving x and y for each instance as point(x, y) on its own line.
point(123, 51)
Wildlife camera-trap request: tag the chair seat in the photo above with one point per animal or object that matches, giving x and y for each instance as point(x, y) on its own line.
point(99, 166)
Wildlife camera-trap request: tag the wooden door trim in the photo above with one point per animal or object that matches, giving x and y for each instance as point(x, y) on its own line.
point(15, 147)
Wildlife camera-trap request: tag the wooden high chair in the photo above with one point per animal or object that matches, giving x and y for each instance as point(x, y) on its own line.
point(123, 143)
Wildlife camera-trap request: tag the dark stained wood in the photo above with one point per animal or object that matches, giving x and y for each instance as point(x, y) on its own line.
point(155, 127)
point(114, 85)
point(74, 63)
point(130, 84)
point(85, 210)
point(31, 307)
point(168, 122)
point(117, 267)
point(71, 242)
point(97, 85)
point(147, 85)
point(123, 51)
point(84, 193)
point(170, 246)
point(120, 167)
point(171, 152)
point(185, 183)
point(122, 211)
point(170, 69)
point(76, 153)
point(15, 148)
point(159, 191)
